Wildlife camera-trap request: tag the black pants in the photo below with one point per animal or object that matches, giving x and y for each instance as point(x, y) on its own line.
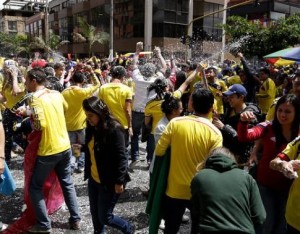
point(291, 230)
point(173, 212)
point(9, 119)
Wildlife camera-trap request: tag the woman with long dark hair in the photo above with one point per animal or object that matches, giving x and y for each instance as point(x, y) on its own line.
point(275, 135)
point(105, 165)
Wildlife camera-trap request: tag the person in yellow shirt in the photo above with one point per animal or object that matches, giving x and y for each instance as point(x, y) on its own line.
point(217, 87)
point(191, 139)
point(267, 91)
point(105, 166)
point(13, 91)
point(153, 111)
point(118, 98)
point(288, 162)
point(75, 117)
point(53, 153)
point(295, 90)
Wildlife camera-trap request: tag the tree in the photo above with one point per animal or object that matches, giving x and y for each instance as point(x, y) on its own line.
point(13, 43)
point(91, 34)
point(261, 40)
point(52, 45)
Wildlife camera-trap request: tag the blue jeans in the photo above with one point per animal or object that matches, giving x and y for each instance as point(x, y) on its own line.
point(43, 166)
point(77, 137)
point(102, 204)
point(137, 121)
point(274, 202)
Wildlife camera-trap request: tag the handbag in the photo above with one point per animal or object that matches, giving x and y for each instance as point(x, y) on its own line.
point(146, 130)
point(7, 183)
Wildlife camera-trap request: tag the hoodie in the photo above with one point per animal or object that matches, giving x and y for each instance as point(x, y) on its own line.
point(225, 199)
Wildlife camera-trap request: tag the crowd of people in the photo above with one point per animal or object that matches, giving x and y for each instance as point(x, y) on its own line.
point(222, 141)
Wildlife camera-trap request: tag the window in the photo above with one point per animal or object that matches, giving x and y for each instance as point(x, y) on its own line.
point(12, 25)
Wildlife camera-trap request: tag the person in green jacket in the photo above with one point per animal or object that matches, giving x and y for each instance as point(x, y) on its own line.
point(225, 199)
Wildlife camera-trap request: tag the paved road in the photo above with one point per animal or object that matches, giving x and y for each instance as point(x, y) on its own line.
point(131, 204)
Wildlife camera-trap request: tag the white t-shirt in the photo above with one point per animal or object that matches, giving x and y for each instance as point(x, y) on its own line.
point(141, 96)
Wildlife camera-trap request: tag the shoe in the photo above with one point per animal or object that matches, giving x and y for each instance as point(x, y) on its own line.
point(132, 229)
point(3, 227)
point(39, 229)
point(75, 225)
point(162, 225)
point(185, 219)
point(134, 163)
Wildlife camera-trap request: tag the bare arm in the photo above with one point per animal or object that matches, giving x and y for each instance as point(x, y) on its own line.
point(157, 51)
point(128, 113)
point(139, 48)
point(288, 168)
point(15, 85)
point(187, 82)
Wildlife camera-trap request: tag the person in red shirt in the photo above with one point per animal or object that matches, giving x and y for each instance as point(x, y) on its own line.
point(275, 135)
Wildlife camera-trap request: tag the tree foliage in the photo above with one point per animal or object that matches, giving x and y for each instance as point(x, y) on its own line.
point(91, 34)
point(260, 40)
point(13, 44)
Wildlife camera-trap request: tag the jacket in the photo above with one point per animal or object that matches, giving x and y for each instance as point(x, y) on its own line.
point(225, 199)
point(230, 137)
point(110, 158)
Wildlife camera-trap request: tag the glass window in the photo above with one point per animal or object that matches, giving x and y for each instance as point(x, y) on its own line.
point(12, 25)
point(170, 16)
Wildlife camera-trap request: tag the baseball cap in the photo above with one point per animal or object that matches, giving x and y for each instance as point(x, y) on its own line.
point(236, 89)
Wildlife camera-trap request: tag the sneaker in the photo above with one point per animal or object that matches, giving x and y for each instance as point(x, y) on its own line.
point(3, 227)
point(75, 225)
point(134, 163)
point(39, 229)
point(162, 225)
point(132, 229)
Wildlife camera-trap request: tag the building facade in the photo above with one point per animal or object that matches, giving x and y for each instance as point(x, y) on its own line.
point(169, 20)
point(162, 23)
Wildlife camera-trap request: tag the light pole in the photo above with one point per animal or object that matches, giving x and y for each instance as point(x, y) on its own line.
point(148, 24)
point(223, 31)
point(111, 30)
point(46, 22)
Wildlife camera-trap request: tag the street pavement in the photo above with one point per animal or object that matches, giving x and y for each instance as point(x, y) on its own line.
point(131, 205)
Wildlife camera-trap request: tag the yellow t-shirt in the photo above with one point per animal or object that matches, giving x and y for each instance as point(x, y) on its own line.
point(48, 116)
point(233, 80)
point(219, 88)
point(292, 212)
point(271, 112)
point(115, 96)
point(130, 83)
point(11, 99)
point(191, 139)
point(153, 109)
point(266, 95)
point(198, 78)
point(74, 96)
point(94, 169)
